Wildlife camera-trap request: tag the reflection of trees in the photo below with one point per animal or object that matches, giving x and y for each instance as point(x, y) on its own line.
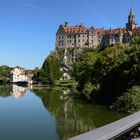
point(71, 123)
point(68, 120)
point(72, 116)
point(12, 90)
point(4, 91)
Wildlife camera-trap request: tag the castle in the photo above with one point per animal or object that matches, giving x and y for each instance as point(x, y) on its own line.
point(81, 36)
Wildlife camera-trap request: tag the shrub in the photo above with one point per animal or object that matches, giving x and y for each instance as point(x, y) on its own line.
point(129, 101)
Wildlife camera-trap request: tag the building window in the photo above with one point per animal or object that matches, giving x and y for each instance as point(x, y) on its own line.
point(62, 37)
point(83, 35)
point(116, 40)
point(78, 35)
point(59, 43)
point(62, 43)
point(83, 40)
point(70, 41)
point(79, 40)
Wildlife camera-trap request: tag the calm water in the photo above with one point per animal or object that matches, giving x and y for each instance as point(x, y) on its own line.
point(46, 114)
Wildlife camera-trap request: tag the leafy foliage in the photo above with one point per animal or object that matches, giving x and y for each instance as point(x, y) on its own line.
point(129, 101)
point(50, 71)
point(83, 67)
point(109, 72)
point(51, 68)
point(135, 41)
point(4, 73)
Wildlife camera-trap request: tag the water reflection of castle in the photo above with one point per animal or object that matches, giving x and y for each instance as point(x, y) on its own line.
point(18, 91)
point(71, 122)
point(72, 117)
point(68, 114)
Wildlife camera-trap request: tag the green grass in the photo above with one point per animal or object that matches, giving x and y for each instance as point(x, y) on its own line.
point(65, 83)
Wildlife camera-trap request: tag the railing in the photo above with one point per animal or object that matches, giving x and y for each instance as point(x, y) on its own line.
point(112, 130)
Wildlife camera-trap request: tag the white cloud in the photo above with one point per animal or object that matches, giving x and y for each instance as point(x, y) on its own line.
point(36, 7)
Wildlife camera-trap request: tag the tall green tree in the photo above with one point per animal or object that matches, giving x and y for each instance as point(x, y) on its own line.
point(83, 72)
point(51, 68)
point(4, 73)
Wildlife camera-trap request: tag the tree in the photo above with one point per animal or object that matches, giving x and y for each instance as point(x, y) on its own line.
point(128, 101)
point(135, 41)
point(109, 73)
point(37, 74)
point(83, 70)
point(4, 73)
point(51, 68)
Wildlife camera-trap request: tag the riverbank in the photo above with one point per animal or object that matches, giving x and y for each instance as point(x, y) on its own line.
point(66, 83)
point(59, 84)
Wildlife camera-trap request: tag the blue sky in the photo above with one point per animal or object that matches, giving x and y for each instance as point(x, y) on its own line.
point(28, 27)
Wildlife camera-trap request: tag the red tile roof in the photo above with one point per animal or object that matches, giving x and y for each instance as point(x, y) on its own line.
point(136, 31)
point(114, 31)
point(82, 29)
point(109, 31)
point(75, 29)
point(99, 31)
point(21, 71)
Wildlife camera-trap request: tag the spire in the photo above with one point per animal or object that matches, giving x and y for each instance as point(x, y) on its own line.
point(131, 20)
point(131, 17)
point(131, 12)
point(131, 9)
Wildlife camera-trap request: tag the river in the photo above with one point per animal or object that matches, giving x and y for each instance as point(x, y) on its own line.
point(47, 114)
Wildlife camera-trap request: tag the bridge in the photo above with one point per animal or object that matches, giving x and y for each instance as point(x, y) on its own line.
point(112, 130)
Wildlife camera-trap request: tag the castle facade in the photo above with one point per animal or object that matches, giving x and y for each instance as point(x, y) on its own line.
point(81, 36)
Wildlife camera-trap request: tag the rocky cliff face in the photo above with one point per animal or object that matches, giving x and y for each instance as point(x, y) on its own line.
point(69, 55)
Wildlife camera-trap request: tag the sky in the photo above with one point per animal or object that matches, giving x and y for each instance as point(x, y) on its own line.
point(28, 27)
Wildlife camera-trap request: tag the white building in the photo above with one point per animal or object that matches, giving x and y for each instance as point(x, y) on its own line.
point(18, 91)
point(18, 75)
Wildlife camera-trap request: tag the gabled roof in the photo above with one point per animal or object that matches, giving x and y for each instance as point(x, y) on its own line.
point(75, 29)
point(21, 71)
point(114, 31)
point(99, 31)
point(110, 31)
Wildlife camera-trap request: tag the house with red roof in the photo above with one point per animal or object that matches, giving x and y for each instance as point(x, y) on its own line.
point(18, 75)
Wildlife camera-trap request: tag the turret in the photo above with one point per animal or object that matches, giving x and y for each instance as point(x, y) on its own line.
point(131, 21)
point(66, 23)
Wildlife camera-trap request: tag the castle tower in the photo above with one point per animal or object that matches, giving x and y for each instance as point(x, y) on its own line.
point(131, 21)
